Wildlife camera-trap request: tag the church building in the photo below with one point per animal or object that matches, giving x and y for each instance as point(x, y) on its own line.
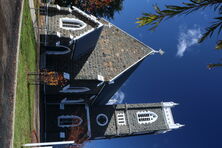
point(95, 58)
point(96, 69)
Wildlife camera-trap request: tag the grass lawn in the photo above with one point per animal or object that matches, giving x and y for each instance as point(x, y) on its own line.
point(25, 93)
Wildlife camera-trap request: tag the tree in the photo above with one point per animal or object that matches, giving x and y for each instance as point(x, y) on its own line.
point(99, 8)
point(154, 19)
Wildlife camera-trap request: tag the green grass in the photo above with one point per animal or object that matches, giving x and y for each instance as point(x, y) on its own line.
point(25, 93)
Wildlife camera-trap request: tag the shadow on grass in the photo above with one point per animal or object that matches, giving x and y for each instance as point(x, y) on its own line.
point(29, 106)
point(31, 86)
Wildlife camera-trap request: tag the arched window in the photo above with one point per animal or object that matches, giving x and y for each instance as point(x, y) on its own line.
point(78, 89)
point(69, 121)
point(68, 89)
point(145, 117)
point(58, 50)
point(71, 24)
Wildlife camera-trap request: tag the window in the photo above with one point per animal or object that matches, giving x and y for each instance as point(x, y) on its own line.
point(71, 24)
point(101, 119)
point(62, 135)
point(58, 50)
point(121, 119)
point(68, 89)
point(69, 121)
point(145, 117)
point(78, 89)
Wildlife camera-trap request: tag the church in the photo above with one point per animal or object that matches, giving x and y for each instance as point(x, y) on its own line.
point(96, 58)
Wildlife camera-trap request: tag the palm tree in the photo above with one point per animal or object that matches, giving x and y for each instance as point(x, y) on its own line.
point(154, 19)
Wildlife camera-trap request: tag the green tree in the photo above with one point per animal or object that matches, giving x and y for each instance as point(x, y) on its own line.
point(154, 19)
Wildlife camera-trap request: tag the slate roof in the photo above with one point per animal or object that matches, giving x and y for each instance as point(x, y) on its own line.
point(115, 52)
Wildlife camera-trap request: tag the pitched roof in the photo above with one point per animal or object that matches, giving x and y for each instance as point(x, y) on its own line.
point(115, 52)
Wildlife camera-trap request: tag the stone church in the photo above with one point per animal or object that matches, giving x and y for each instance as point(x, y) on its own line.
point(96, 58)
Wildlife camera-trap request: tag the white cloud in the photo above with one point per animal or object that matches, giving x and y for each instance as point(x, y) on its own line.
point(187, 39)
point(117, 98)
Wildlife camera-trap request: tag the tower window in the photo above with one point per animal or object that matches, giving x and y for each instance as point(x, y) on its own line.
point(121, 119)
point(101, 119)
point(72, 24)
point(145, 117)
point(69, 121)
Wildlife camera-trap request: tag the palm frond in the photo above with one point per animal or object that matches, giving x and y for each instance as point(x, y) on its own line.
point(172, 10)
point(210, 30)
point(210, 66)
point(219, 45)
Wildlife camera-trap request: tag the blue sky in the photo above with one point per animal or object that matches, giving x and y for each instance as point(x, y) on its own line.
point(182, 78)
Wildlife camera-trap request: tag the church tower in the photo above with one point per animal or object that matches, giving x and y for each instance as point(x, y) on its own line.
point(81, 122)
point(131, 119)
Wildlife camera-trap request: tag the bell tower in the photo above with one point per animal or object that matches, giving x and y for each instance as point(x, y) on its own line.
point(121, 120)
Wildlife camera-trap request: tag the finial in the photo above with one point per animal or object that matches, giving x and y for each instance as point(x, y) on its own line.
point(161, 52)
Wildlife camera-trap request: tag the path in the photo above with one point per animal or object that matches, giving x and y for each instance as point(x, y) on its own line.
point(36, 115)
